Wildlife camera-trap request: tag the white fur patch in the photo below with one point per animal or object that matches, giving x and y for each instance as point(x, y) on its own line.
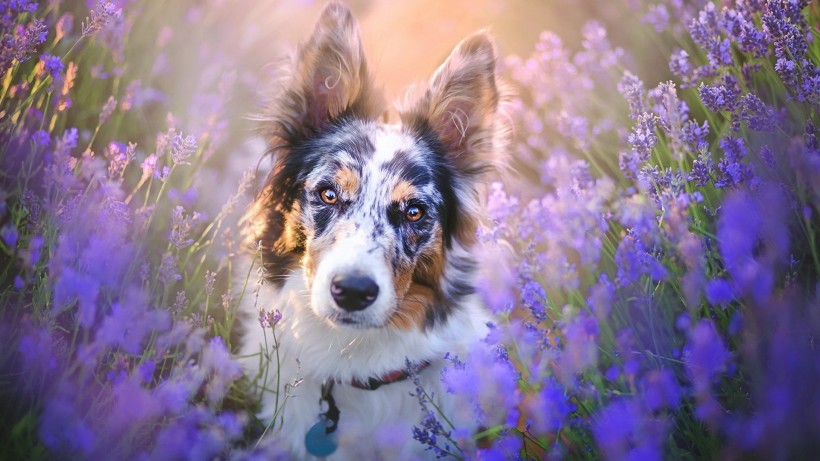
point(312, 351)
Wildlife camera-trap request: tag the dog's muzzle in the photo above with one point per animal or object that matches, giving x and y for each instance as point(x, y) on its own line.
point(353, 292)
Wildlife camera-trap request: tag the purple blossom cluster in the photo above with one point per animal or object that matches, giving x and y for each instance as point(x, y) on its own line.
point(645, 289)
point(22, 34)
point(108, 256)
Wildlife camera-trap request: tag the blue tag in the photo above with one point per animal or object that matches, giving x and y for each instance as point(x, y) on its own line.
point(318, 442)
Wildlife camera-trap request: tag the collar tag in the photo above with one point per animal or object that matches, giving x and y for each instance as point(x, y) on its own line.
point(321, 439)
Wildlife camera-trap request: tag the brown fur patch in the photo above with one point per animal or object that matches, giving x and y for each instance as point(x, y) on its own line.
point(348, 180)
point(413, 307)
point(420, 295)
point(403, 191)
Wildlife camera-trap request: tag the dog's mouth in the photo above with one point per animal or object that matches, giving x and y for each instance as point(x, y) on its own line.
point(354, 321)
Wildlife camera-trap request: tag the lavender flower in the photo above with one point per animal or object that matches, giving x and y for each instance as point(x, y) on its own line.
point(221, 367)
point(731, 171)
point(485, 389)
point(661, 390)
point(643, 137)
point(101, 16)
point(626, 429)
point(210, 278)
point(681, 67)
point(52, 65)
point(706, 356)
point(757, 115)
point(658, 17)
point(722, 97)
point(631, 87)
point(181, 226)
point(168, 273)
point(182, 148)
point(702, 169)
point(694, 136)
point(19, 43)
point(108, 109)
point(9, 235)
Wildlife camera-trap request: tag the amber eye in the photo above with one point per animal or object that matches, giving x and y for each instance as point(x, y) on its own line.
point(328, 195)
point(413, 213)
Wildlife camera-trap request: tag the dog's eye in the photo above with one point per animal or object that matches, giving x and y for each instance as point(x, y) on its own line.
point(413, 213)
point(328, 195)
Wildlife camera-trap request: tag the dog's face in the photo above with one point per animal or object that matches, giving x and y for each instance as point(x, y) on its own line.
point(379, 217)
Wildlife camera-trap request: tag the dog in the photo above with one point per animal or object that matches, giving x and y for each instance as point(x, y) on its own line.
point(366, 235)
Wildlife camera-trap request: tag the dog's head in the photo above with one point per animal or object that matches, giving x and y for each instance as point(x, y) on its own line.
point(379, 217)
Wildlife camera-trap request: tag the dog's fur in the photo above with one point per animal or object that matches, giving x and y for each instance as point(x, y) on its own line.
point(323, 132)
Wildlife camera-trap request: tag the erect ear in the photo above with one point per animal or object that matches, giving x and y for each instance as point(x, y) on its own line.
point(329, 77)
point(460, 104)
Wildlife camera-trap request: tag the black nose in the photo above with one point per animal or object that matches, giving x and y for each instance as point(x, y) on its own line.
point(353, 292)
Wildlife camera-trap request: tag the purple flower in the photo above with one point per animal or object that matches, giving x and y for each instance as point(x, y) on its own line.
point(624, 429)
point(181, 226)
point(108, 109)
point(168, 271)
point(146, 371)
point(753, 240)
point(706, 356)
point(580, 349)
point(719, 292)
point(38, 351)
point(632, 89)
point(132, 406)
point(634, 260)
point(182, 148)
point(643, 137)
point(101, 16)
point(41, 138)
point(731, 171)
point(269, 319)
point(53, 65)
point(72, 285)
point(131, 322)
point(549, 408)
point(9, 235)
point(658, 17)
point(661, 390)
point(485, 388)
point(210, 279)
point(722, 97)
point(705, 27)
point(680, 66)
point(702, 169)
point(602, 297)
point(694, 135)
point(63, 429)
point(221, 367)
point(19, 42)
point(757, 115)
point(533, 296)
point(744, 32)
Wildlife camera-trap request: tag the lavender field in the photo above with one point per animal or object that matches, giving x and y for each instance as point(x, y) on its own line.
point(652, 255)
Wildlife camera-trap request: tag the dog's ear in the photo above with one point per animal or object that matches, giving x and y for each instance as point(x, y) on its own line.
point(460, 104)
point(328, 78)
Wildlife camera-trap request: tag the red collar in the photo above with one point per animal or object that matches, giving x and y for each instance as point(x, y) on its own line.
point(391, 377)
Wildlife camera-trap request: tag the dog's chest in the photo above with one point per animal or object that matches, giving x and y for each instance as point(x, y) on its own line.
point(372, 424)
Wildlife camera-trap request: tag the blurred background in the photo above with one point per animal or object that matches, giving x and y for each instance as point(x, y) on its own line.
point(406, 41)
point(194, 45)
